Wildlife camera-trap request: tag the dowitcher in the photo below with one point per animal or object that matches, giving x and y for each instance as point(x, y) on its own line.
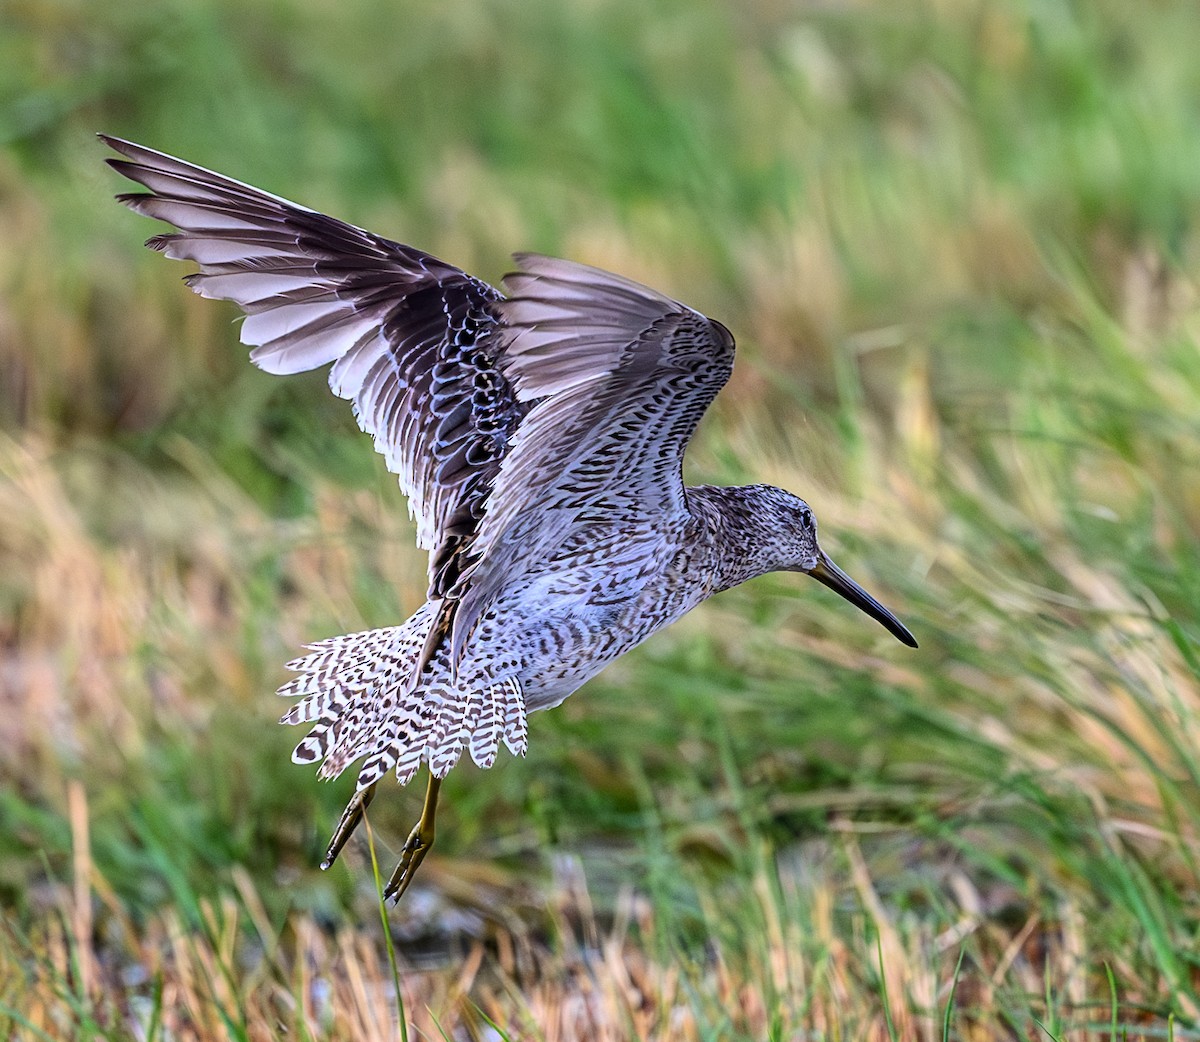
point(539, 436)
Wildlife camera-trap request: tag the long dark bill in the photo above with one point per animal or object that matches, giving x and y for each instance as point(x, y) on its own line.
point(829, 574)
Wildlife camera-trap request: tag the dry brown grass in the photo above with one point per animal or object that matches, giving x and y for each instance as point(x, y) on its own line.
point(88, 970)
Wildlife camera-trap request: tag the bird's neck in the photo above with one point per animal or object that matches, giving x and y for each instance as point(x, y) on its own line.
point(741, 534)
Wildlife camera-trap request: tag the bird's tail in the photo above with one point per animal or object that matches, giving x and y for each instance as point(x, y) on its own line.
point(360, 693)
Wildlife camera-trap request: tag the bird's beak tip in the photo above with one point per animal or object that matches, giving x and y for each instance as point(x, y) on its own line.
point(829, 574)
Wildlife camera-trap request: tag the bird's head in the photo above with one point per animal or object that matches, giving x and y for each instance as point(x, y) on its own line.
point(793, 545)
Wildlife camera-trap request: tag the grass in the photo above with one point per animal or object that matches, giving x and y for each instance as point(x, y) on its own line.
point(957, 244)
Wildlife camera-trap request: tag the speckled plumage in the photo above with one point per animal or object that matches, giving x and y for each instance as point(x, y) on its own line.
point(539, 437)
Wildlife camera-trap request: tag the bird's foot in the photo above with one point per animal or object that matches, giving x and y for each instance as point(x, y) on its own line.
point(412, 854)
point(418, 844)
point(348, 822)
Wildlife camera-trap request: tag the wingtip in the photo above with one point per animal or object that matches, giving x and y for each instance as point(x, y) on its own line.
point(132, 150)
point(117, 144)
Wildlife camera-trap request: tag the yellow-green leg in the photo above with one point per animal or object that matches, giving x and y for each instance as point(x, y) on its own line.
point(348, 822)
point(416, 846)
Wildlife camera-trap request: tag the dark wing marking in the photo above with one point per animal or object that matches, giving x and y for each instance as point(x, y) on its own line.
point(410, 337)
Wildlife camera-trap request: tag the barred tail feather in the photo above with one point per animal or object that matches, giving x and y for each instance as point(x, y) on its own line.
point(357, 691)
point(516, 735)
point(450, 731)
point(485, 738)
point(339, 669)
point(477, 720)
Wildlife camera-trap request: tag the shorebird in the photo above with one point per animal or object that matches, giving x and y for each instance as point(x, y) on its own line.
point(539, 436)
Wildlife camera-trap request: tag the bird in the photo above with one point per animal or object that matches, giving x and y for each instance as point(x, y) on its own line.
point(538, 434)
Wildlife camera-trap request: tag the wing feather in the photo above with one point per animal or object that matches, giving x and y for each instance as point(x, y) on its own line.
point(410, 337)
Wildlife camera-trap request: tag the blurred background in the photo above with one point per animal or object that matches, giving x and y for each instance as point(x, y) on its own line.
point(958, 243)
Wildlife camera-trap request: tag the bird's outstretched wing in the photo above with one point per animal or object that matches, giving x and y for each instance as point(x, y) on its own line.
point(511, 423)
point(411, 338)
point(618, 376)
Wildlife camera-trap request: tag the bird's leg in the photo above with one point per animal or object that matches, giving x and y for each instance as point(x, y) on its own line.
point(348, 822)
point(416, 846)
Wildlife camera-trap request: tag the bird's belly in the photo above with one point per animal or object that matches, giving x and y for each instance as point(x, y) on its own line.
point(573, 638)
point(566, 653)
